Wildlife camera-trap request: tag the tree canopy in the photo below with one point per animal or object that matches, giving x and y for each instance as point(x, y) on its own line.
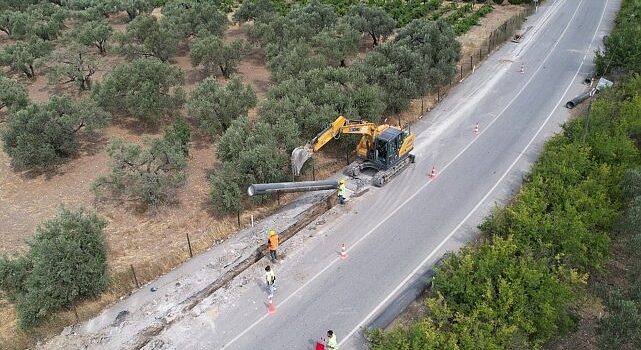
point(147, 89)
point(215, 107)
point(41, 135)
point(439, 50)
point(371, 20)
point(13, 95)
point(337, 44)
point(254, 9)
point(191, 17)
point(73, 64)
point(150, 174)
point(147, 36)
point(250, 154)
point(93, 33)
point(66, 262)
point(213, 53)
point(23, 56)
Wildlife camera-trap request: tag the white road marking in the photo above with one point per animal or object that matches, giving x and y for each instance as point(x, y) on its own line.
point(447, 238)
point(337, 259)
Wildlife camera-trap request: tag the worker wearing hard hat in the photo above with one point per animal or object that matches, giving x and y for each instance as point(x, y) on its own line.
point(272, 244)
point(341, 191)
point(331, 343)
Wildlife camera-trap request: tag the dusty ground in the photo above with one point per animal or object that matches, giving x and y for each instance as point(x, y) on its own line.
point(153, 243)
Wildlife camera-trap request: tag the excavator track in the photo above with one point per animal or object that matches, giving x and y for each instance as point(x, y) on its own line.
point(383, 176)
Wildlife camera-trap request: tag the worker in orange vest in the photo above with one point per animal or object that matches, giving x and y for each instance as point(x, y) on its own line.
point(272, 244)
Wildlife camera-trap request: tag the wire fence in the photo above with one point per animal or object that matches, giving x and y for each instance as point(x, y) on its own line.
point(467, 65)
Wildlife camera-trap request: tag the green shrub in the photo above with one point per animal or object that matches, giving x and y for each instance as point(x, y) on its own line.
point(150, 175)
point(66, 262)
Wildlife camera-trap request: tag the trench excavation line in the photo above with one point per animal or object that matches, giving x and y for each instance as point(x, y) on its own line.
point(250, 327)
point(447, 238)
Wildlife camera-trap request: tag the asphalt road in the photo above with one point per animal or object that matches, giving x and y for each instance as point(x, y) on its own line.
point(396, 233)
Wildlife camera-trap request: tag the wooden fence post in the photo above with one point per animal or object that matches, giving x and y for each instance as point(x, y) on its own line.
point(191, 254)
point(133, 272)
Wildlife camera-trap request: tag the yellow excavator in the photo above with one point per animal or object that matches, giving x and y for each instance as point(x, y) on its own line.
point(384, 148)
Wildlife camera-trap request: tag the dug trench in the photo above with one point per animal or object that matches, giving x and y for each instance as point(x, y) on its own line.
point(302, 220)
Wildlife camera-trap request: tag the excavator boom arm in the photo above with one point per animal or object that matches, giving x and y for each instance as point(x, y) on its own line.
point(341, 126)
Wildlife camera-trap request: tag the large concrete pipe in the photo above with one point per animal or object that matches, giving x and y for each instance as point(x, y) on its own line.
point(302, 186)
point(575, 101)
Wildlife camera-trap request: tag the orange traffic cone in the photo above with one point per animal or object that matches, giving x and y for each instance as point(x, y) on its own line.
point(271, 308)
point(476, 129)
point(344, 255)
point(433, 174)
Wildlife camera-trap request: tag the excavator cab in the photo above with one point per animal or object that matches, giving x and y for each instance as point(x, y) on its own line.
point(386, 148)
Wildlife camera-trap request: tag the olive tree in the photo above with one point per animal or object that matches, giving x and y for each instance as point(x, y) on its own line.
point(213, 53)
point(337, 44)
point(46, 20)
point(73, 64)
point(146, 89)
point(66, 262)
point(41, 135)
point(227, 189)
point(438, 48)
point(254, 9)
point(135, 8)
point(250, 154)
point(292, 60)
point(147, 36)
point(371, 20)
point(315, 98)
point(395, 69)
point(189, 17)
point(215, 107)
point(93, 33)
point(14, 23)
point(150, 174)
point(13, 95)
point(23, 56)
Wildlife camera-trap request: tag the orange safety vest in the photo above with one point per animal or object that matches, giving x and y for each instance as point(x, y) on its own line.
point(273, 242)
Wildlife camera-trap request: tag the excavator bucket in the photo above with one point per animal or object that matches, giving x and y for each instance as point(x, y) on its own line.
point(300, 155)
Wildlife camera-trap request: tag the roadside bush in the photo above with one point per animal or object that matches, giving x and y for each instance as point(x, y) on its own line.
point(517, 287)
point(621, 326)
point(150, 175)
point(622, 45)
point(66, 262)
point(41, 135)
point(251, 154)
point(146, 89)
